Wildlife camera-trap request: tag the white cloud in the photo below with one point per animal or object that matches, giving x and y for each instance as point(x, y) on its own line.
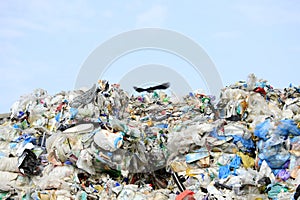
point(10, 33)
point(108, 13)
point(270, 13)
point(155, 16)
point(17, 23)
point(8, 52)
point(47, 16)
point(227, 34)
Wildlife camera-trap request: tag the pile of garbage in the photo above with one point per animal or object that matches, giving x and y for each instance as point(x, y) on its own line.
point(102, 143)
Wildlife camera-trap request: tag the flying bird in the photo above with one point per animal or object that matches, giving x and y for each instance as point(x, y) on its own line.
point(152, 88)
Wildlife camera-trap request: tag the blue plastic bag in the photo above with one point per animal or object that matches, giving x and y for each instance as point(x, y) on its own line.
point(248, 144)
point(73, 112)
point(236, 162)
point(275, 156)
point(287, 127)
point(262, 129)
point(224, 171)
point(57, 117)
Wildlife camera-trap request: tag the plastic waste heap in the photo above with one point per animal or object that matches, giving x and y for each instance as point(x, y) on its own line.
point(102, 143)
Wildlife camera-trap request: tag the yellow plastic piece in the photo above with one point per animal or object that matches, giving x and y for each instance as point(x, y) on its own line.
point(248, 162)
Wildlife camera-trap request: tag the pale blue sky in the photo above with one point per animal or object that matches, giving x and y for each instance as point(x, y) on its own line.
point(44, 43)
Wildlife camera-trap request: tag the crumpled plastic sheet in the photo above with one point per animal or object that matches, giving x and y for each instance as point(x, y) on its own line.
point(102, 143)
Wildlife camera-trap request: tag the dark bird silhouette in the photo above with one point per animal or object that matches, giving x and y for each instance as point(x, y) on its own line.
point(152, 88)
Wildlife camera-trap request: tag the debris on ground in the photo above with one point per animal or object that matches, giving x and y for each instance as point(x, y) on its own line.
point(102, 143)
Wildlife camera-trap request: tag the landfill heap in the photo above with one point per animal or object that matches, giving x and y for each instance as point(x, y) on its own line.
point(102, 143)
